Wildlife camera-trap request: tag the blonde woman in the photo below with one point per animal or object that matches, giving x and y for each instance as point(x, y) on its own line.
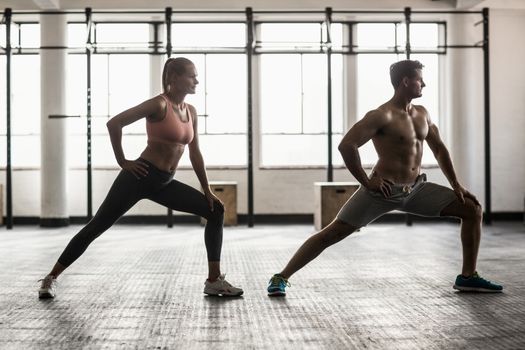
point(171, 124)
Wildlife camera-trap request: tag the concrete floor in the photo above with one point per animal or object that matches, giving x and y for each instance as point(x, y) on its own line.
point(140, 287)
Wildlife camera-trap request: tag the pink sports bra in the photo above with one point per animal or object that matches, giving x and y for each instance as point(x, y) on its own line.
point(171, 129)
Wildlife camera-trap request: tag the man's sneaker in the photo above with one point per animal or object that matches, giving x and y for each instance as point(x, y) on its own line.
point(277, 286)
point(475, 283)
point(47, 288)
point(221, 287)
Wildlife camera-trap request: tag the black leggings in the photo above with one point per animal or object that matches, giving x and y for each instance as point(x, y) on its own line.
point(160, 187)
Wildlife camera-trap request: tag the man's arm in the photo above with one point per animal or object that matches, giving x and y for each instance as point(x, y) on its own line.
point(445, 161)
point(358, 135)
point(441, 154)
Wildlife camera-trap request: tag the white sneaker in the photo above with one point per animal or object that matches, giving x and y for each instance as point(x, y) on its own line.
point(48, 288)
point(221, 287)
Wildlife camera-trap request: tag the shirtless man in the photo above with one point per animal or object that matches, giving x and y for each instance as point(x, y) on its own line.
point(398, 129)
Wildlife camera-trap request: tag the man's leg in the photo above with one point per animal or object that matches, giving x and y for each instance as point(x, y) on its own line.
point(311, 248)
point(470, 214)
point(333, 233)
point(361, 209)
point(430, 199)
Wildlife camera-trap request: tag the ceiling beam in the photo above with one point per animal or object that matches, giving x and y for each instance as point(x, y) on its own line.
point(467, 4)
point(48, 4)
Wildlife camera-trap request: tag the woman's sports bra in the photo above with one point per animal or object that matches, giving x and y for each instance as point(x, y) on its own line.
point(171, 129)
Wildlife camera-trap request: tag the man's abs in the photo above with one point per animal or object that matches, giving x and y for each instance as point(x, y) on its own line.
point(399, 160)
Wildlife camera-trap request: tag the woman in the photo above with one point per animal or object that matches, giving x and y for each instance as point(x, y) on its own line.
point(171, 124)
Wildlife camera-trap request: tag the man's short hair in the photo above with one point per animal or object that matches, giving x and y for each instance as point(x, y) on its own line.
point(401, 69)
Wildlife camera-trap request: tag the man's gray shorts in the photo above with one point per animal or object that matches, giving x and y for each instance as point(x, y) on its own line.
point(422, 198)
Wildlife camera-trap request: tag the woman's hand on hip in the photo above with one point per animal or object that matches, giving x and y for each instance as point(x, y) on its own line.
point(136, 167)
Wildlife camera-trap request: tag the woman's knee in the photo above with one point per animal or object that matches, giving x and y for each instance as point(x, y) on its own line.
point(217, 214)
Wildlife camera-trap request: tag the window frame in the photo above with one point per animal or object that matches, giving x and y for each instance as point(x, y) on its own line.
point(346, 49)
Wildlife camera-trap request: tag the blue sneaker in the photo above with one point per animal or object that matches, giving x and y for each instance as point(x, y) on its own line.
point(277, 286)
point(475, 283)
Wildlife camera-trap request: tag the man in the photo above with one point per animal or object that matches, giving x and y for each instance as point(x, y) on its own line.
point(398, 129)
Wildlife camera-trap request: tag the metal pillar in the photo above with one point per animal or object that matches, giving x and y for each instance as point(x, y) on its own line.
point(408, 14)
point(486, 92)
point(8, 188)
point(89, 50)
point(328, 21)
point(249, 57)
point(168, 13)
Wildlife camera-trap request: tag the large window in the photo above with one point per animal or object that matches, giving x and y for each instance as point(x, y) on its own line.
point(23, 35)
point(76, 86)
point(292, 87)
point(25, 98)
point(118, 82)
point(221, 106)
point(377, 44)
point(221, 95)
point(122, 35)
point(293, 95)
point(208, 36)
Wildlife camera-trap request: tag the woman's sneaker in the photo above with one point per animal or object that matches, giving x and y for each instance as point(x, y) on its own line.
point(221, 287)
point(277, 286)
point(47, 288)
point(475, 283)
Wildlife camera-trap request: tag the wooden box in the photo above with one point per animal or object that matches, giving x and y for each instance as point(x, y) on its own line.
point(227, 193)
point(329, 198)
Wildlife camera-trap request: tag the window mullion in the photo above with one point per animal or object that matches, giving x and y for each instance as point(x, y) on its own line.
point(206, 93)
point(302, 93)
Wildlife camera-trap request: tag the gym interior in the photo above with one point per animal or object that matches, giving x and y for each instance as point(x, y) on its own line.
point(279, 85)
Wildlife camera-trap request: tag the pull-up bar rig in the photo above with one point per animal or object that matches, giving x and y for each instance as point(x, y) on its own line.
point(250, 49)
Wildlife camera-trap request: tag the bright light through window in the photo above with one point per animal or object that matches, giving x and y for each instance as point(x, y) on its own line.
point(30, 35)
point(25, 117)
point(294, 109)
point(208, 35)
point(376, 36)
point(222, 124)
point(77, 35)
point(423, 36)
point(286, 34)
point(117, 34)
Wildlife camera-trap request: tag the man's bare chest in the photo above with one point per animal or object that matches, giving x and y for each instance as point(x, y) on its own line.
point(405, 128)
